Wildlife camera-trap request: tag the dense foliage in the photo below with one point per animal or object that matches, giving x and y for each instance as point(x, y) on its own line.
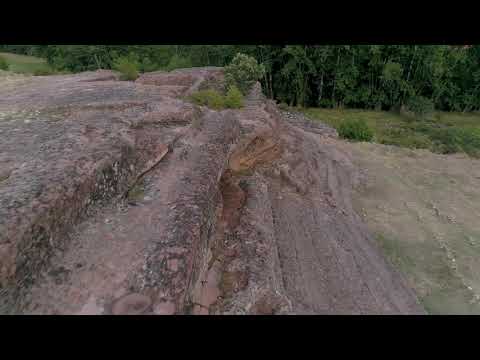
point(420, 106)
point(243, 72)
point(355, 76)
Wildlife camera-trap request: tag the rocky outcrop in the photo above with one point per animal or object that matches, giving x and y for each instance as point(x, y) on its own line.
point(183, 82)
point(118, 197)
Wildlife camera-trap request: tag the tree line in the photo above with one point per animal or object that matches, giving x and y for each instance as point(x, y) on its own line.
point(444, 77)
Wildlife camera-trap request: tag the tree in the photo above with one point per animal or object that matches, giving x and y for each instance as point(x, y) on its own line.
point(243, 72)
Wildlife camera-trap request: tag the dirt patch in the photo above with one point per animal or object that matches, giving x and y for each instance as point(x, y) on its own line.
point(233, 200)
point(423, 209)
point(257, 149)
point(233, 282)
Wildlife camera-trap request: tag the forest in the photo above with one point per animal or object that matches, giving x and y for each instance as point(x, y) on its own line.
point(380, 77)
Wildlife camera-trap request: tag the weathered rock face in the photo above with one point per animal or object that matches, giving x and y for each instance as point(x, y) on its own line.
point(184, 81)
point(69, 144)
point(118, 197)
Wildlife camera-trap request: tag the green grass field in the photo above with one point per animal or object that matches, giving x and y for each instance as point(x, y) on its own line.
point(26, 64)
point(442, 132)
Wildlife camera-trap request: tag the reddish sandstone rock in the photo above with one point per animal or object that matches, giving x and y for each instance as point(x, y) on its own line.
point(131, 304)
point(206, 182)
point(164, 308)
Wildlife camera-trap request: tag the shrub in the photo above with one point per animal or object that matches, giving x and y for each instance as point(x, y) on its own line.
point(357, 130)
point(283, 106)
point(215, 100)
point(420, 106)
point(243, 72)
point(234, 98)
point(128, 68)
point(177, 62)
point(3, 64)
point(454, 140)
point(211, 98)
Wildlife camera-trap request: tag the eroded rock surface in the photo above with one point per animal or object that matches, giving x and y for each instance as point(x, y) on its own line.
point(119, 197)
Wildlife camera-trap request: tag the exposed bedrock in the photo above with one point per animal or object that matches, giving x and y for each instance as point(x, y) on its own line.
point(120, 198)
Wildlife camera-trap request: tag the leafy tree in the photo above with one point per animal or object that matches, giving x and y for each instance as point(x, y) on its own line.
point(243, 72)
point(393, 83)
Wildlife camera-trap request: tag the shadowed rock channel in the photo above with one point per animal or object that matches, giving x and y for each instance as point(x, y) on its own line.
point(121, 198)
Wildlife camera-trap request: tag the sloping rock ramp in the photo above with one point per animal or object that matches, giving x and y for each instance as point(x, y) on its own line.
point(121, 198)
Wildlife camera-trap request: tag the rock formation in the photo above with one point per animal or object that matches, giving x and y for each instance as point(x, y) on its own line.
point(123, 198)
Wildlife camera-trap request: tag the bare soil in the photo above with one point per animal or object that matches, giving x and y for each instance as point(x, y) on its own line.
point(423, 210)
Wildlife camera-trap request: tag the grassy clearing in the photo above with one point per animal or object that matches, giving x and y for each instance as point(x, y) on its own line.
point(441, 133)
point(26, 64)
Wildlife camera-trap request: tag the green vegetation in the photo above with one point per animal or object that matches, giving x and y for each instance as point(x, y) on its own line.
point(177, 62)
point(420, 106)
point(128, 68)
point(243, 72)
point(442, 132)
point(234, 98)
point(76, 58)
point(3, 64)
point(416, 84)
point(137, 192)
point(44, 72)
point(356, 130)
point(454, 140)
point(382, 77)
point(210, 98)
point(24, 64)
point(215, 100)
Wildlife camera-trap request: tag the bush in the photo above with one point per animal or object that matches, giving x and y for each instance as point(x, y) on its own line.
point(215, 100)
point(234, 98)
point(356, 130)
point(420, 106)
point(128, 68)
point(211, 98)
point(243, 72)
point(283, 106)
point(3, 64)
